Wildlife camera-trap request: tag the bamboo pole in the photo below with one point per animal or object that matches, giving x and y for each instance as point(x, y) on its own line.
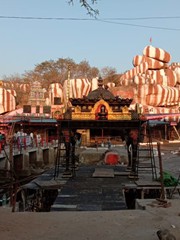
point(176, 131)
point(68, 88)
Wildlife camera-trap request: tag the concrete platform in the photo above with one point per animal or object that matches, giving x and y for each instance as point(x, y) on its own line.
point(104, 225)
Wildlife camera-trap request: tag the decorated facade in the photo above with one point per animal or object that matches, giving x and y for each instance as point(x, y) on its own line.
point(100, 104)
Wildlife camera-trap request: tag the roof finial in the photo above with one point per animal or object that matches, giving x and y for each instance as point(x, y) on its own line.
point(150, 40)
point(100, 82)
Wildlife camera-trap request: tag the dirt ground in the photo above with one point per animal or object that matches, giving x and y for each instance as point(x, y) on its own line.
point(101, 225)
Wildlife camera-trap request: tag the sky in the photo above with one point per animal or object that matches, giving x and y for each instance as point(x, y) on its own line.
point(121, 31)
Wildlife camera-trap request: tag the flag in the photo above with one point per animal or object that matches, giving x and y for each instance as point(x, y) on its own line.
point(150, 40)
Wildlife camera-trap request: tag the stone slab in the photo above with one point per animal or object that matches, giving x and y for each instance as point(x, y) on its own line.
point(60, 207)
point(103, 172)
point(145, 183)
point(116, 173)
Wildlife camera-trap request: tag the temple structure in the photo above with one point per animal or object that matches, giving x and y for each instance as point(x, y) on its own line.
point(100, 104)
point(99, 110)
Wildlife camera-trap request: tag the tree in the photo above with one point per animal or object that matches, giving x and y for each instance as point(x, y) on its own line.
point(84, 70)
point(62, 65)
point(88, 6)
point(52, 71)
point(57, 71)
point(108, 73)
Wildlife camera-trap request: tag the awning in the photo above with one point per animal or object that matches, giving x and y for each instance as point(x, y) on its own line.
point(159, 116)
point(153, 123)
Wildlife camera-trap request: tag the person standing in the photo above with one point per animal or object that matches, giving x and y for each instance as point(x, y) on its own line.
point(133, 138)
point(32, 139)
point(38, 136)
point(1, 143)
point(127, 140)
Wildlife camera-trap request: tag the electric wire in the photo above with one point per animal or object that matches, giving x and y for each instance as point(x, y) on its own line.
point(89, 19)
point(142, 26)
point(103, 20)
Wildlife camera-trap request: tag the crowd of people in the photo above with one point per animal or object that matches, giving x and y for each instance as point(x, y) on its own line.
point(23, 139)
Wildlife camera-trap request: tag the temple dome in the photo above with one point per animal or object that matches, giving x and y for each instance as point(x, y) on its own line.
point(100, 92)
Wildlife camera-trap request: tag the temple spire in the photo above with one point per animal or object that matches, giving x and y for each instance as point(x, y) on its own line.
point(100, 82)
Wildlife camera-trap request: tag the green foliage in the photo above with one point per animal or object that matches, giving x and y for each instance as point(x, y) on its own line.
point(169, 180)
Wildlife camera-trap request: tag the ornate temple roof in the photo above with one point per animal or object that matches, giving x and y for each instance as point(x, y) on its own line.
point(100, 92)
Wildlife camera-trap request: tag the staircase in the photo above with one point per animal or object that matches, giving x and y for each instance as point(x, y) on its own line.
point(65, 154)
point(145, 153)
point(60, 156)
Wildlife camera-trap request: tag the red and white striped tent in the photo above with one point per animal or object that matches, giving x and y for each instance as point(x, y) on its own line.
point(7, 101)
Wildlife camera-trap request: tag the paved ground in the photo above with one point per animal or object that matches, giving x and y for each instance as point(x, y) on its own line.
point(87, 193)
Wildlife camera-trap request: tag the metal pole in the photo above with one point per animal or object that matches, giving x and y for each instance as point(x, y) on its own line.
point(161, 171)
point(165, 132)
point(11, 174)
